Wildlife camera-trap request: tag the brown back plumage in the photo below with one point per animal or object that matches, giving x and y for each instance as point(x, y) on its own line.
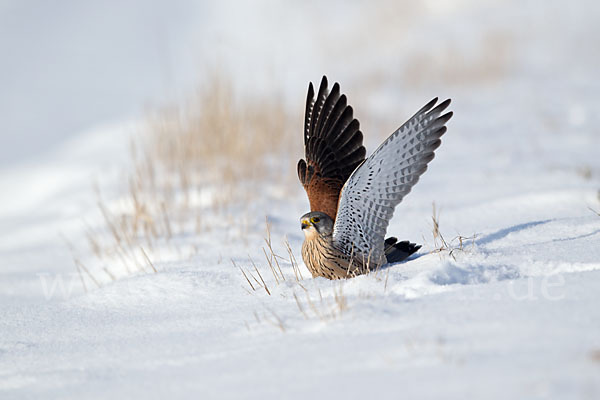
point(332, 146)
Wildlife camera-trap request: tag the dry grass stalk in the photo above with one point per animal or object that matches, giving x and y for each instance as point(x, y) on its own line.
point(325, 308)
point(437, 235)
point(387, 275)
point(93, 241)
point(262, 280)
point(81, 276)
point(167, 223)
point(295, 266)
point(349, 272)
point(273, 256)
point(148, 260)
point(120, 254)
point(79, 264)
point(272, 260)
point(441, 245)
point(312, 306)
point(300, 306)
point(278, 321)
point(245, 276)
point(340, 299)
point(110, 274)
point(270, 263)
point(254, 265)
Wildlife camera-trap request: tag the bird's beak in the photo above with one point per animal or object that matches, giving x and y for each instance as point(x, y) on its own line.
point(305, 223)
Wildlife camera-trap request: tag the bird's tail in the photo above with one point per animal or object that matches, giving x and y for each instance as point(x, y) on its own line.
point(398, 251)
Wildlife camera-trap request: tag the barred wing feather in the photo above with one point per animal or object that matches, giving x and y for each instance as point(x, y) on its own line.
point(380, 183)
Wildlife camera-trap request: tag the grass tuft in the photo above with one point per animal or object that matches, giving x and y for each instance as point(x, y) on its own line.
point(191, 164)
point(450, 247)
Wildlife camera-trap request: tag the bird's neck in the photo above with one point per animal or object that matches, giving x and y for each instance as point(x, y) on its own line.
point(314, 235)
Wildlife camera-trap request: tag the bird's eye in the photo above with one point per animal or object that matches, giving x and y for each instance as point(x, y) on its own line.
point(315, 220)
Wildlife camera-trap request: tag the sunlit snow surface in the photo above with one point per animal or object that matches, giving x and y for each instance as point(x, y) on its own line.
point(514, 314)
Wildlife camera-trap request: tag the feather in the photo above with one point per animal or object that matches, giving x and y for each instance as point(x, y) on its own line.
point(380, 183)
point(332, 146)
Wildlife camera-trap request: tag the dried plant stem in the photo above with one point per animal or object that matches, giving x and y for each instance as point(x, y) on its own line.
point(295, 266)
point(80, 265)
point(80, 276)
point(262, 280)
point(148, 260)
point(278, 321)
point(245, 276)
point(271, 266)
point(300, 306)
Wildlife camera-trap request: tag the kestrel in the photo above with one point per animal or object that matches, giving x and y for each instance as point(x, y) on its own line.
point(352, 199)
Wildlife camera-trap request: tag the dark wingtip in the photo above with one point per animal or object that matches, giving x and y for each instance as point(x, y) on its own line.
point(440, 107)
point(429, 105)
point(335, 87)
point(446, 117)
point(445, 104)
point(437, 142)
point(401, 251)
point(391, 240)
point(323, 85)
point(426, 107)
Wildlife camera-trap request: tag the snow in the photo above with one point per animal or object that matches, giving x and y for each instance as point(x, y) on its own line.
point(513, 313)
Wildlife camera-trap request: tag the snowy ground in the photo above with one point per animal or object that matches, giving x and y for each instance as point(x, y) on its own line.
point(513, 314)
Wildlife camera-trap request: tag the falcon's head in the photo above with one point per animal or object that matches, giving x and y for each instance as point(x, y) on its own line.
point(316, 222)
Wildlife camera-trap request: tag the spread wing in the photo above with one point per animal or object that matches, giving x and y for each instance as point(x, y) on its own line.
point(332, 147)
point(372, 192)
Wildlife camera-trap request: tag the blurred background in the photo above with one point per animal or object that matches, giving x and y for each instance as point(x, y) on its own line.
point(70, 66)
point(154, 140)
